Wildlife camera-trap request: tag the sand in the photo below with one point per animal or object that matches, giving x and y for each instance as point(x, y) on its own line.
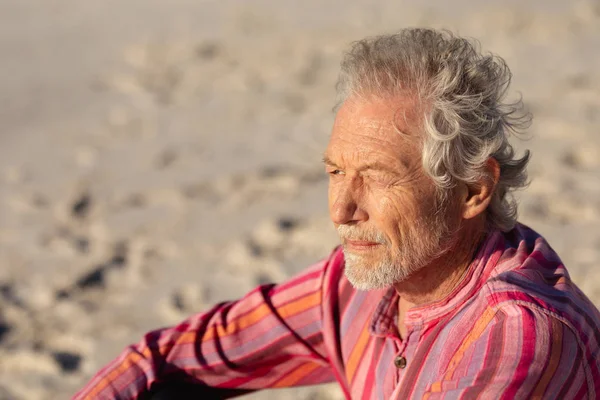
point(157, 157)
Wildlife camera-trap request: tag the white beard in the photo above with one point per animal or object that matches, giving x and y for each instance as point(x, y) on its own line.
point(372, 277)
point(418, 249)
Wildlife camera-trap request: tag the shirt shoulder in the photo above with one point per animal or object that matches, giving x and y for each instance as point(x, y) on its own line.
point(531, 274)
point(531, 278)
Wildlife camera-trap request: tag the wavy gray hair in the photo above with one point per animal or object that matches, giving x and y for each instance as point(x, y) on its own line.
point(466, 118)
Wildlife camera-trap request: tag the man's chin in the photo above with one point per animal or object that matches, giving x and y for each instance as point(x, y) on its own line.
point(363, 277)
point(369, 273)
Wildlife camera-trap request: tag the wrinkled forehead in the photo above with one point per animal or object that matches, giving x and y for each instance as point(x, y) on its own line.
point(374, 126)
point(402, 113)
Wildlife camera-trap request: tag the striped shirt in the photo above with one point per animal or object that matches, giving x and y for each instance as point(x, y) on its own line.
point(516, 327)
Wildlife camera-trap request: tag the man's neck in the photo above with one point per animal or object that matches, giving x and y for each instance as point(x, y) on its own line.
point(439, 278)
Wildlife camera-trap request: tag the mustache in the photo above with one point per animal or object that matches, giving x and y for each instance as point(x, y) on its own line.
point(353, 233)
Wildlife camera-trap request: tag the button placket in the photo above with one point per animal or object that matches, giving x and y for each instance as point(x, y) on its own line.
point(400, 346)
point(400, 361)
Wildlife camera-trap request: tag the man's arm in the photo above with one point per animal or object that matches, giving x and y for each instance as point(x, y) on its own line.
point(524, 353)
point(270, 338)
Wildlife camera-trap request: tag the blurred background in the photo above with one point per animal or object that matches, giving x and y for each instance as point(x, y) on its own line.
point(159, 156)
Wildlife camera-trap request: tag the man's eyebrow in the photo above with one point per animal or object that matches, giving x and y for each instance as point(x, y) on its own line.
point(377, 166)
point(327, 161)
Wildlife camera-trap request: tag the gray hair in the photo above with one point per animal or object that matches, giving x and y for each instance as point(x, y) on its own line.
point(466, 118)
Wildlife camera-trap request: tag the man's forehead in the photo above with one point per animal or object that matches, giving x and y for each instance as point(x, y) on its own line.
point(377, 115)
point(368, 135)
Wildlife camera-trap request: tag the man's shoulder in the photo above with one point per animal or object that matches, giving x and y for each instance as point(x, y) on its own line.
point(531, 276)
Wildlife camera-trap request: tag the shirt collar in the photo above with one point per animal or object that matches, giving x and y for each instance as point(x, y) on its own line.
point(385, 318)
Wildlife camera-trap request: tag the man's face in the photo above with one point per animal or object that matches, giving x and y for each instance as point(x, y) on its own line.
point(381, 201)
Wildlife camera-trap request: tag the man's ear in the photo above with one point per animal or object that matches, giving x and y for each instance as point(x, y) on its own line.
point(480, 193)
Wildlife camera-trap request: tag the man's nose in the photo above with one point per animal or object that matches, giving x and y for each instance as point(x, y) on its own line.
point(345, 208)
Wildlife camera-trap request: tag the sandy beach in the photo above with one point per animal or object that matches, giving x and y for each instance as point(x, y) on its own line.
point(158, 157)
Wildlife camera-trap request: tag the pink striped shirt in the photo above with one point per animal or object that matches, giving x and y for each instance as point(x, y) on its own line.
point(515, 327)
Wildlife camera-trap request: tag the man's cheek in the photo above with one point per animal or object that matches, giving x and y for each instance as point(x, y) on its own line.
point(394, 208)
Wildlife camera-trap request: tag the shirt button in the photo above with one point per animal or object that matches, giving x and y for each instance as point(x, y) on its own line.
point(400, 362)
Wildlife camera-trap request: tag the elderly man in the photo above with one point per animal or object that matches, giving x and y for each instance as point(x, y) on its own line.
point(436, 290)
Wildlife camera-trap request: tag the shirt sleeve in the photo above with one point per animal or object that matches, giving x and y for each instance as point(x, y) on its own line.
point(270, 338)
point(524, 353)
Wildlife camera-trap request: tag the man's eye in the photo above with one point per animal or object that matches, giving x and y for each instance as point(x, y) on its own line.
point(336, 172)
